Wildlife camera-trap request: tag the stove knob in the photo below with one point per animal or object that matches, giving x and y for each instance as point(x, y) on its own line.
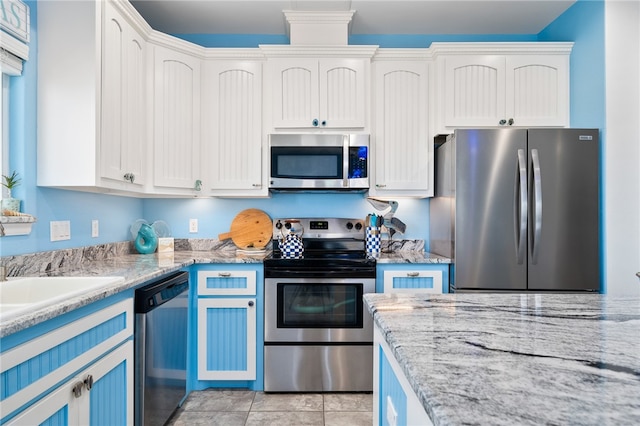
point(287, 225)
point(349, 225)
point(278, 225)
point(358, 226)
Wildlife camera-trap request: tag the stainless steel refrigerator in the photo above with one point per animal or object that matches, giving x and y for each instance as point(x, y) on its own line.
point(518, 209)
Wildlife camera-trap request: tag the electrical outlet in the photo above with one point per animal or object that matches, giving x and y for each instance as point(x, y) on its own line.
point(60, 230)
point(193, 226)
point(95, 229)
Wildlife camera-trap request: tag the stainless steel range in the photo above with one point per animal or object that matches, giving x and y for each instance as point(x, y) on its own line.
point(318, 337)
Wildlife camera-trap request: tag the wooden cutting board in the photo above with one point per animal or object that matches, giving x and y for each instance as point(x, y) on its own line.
point(251, 228)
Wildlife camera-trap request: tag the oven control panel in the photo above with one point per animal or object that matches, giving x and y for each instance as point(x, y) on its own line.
point(323, 228)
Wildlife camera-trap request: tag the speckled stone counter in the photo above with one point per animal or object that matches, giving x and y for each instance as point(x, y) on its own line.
point(136, 269)
point(410, 256)
point(516, 359)
point(121, 260)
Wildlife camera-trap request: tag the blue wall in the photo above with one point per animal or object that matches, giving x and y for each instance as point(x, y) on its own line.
point(583, 23)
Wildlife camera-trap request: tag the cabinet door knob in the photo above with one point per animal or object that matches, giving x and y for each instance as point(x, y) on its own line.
point(77, 389)
point(324, 122)
point(198, 185)
point(510, 122)
point(250, 303)
point(502, 122)
point(315, 122)
point(88, 382)
point(129, 177)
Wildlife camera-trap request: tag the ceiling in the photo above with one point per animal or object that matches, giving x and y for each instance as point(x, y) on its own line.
point(371, 16)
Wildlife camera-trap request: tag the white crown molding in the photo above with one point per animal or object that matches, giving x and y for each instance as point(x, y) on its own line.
point(174, 43)
point(132, 16)
point(493, 48)
point(225, 53)
point(351, 51)
point(410, 54)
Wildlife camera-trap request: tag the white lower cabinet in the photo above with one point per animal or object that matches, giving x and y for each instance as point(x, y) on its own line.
point(80, 372)
point(229, 337)
point(96, 396)
point(394, 401)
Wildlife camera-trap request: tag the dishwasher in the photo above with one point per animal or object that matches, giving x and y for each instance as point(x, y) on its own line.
point(160, 354)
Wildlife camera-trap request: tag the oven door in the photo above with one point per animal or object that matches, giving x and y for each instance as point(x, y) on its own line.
point(315, 310)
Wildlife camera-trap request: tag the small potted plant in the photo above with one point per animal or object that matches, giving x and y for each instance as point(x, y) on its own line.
point(10, 182)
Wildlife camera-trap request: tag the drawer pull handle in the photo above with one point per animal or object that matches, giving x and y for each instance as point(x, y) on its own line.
point(88, 382)
point(413, 274)
point(77, 389)
point(224, 274)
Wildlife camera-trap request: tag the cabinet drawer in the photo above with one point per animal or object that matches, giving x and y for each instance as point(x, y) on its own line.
point(35, 366)
point(217, 283)
point(412, 281)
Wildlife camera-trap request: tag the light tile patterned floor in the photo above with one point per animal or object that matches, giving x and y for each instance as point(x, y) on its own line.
point(248, 408)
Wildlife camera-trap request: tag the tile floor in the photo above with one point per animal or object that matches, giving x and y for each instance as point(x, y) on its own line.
point(245, 408)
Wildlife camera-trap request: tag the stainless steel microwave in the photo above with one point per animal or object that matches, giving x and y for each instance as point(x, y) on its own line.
point(319, 162)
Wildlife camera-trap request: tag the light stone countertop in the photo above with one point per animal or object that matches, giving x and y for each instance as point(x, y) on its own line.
point(136, 269)
point(415, 257)
point(517, 359)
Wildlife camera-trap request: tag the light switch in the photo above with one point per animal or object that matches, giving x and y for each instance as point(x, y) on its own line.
point(60, 230)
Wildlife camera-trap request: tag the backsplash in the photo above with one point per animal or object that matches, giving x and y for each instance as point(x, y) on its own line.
point(46, 262)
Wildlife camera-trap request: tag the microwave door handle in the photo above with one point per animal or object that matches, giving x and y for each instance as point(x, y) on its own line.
point(345, 161)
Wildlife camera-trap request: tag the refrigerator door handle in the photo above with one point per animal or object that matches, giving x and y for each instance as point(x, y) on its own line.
point(537, 206)
point(521, 207)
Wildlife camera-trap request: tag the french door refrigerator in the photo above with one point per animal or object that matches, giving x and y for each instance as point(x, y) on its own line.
point(518, 209)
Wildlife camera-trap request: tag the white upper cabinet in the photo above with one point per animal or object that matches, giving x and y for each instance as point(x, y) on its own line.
point(402, 149)
point(232, 128)
point(123, 139)
point(537, 90)
point(503, 84)
point(92, 104)
point(176, 122)
point(326, 93)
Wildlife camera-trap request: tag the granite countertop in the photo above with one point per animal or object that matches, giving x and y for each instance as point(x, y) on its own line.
point(136, 269)
point(411, 256)
point(517, 358)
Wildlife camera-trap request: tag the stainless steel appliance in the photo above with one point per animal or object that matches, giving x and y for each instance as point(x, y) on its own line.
point(160, 352)
point(318, 336)
point(518, 209)
point(319, 162)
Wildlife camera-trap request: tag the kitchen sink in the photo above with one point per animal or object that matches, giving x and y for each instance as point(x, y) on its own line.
point(18, 295)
